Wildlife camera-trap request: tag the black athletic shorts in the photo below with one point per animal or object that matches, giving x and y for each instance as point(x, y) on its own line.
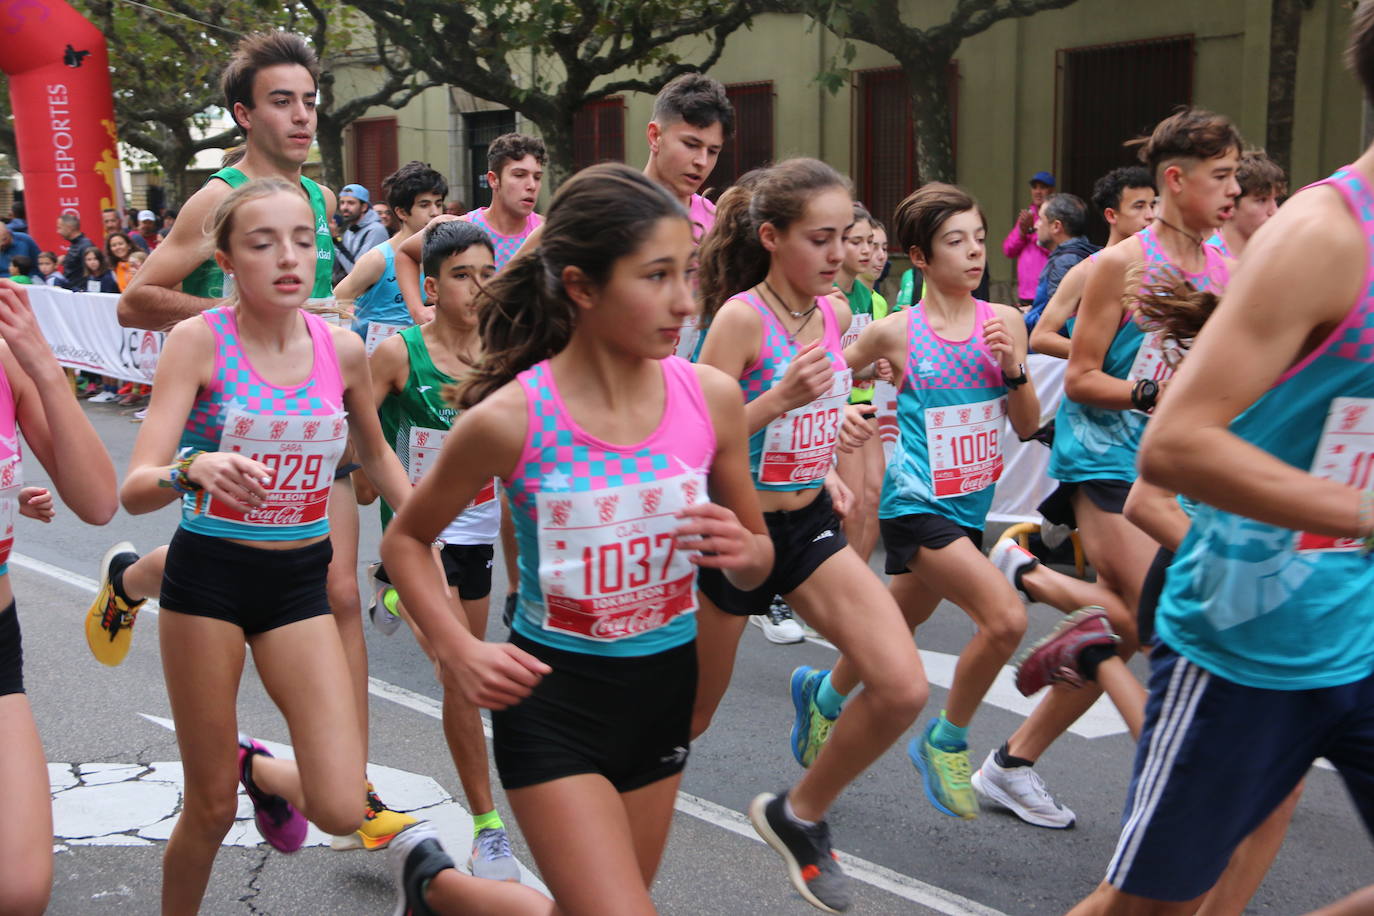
point(467, 567)
point(803, 539)
point(252, 588)
point(11, 653)
point(1107, 495)
point(1150, 591)
point(904, 536)
point(627, 719)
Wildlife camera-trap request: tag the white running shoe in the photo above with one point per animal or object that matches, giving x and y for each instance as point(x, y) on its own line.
point(104, 397)
point(383, 619)
point(778, 625)
point(1011, 560)
point(1022, 792)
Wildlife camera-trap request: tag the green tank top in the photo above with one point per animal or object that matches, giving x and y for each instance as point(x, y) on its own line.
point(906, 293)
point(863, 301)
point(207, 280)
point(421, 403)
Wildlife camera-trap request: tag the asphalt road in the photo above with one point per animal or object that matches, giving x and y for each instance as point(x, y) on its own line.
point(115, 777)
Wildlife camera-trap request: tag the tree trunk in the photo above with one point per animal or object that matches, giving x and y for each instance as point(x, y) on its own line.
point(557, 133)
point(1285, 28)
point(928, 80)
point(329, 135)
point(176, 179)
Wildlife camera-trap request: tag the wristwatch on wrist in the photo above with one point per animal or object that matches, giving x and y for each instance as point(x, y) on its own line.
point(1145, 394)
point(1015, 381)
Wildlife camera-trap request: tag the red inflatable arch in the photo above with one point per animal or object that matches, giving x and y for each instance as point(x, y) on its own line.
point(59, 75)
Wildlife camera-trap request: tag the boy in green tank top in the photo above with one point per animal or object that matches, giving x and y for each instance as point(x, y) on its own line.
point(413, 373)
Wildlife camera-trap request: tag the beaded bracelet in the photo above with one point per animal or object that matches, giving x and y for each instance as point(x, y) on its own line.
point(178, 478)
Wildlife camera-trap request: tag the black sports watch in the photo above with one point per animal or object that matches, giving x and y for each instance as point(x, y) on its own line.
point(1145, 394)
point(1015, 381)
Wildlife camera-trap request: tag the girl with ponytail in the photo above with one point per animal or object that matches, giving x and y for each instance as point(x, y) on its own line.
point(609, 448)
point(768, 276)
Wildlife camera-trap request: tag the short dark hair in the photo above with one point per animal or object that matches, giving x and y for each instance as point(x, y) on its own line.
point(1257, 175)
point(1069, 210)
point(1359, 54)
point(1188, 133)
point(23, 262)
point(257, 51)
point(104, 267)
point(17, 209)
point(411, 180)
point(513, 148)
point(1108, 189)
point(71, 219)
point(919, 217)
point(446, 239)
point(696, 99)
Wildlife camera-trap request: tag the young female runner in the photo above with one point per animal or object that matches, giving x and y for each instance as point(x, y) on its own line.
point(259, 396)
point(775, 322)
point(962, 364)
point(35, 399)
point(609, 449)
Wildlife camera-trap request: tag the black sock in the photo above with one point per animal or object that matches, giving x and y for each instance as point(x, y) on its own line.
point(1091, 657)
point(1020, 586)
point(118, 565)
point(1005, 760)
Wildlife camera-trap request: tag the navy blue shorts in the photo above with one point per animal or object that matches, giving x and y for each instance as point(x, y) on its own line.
point(1216, 758)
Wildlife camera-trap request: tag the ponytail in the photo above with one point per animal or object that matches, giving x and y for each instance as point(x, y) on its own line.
point(1173, 307)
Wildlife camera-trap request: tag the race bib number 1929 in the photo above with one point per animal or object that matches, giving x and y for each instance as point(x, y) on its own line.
point(300, 452)
point(1345, 454)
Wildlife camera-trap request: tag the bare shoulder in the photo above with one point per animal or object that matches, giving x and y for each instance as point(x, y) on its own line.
point(737, 313)
point(717, 386)
point(500, 420)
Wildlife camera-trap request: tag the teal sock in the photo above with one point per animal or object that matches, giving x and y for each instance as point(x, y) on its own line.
point(489, 821)
point(829, 700)
point(948, 736)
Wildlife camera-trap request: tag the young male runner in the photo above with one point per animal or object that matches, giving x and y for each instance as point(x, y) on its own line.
point(1265, 659)
point(269, 86)
point(515, 172)
point(1262, 183)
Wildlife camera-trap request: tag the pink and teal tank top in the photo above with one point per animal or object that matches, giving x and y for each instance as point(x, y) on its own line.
point(298, 432)
point(951, 416)
point(505, 245)
point(11, 471)
point(599, 569)
point(1265, 606)
point(796, 450)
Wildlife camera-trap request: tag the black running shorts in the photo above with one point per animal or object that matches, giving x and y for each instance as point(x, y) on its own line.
point(1150, 591)
point(11, 653)
point(803, 539)
point(252, 588)
point(627, 719)
point(1107, 495)
point(904, 536)
point(467, 567)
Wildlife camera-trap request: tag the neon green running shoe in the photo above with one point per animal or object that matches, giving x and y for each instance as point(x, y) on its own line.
point(811, 728)
point(945, 776)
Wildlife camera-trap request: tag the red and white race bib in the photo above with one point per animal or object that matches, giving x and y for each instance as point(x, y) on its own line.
point(1152, 360)
point(11, 480)
point(857, 323)
point(799, 446)
point(687, 337)
point(608, 562)
point(424, 449)
point(376, 333)
point(300, 452)
point(885, 400)
point(1345, 454)
point(965, 447)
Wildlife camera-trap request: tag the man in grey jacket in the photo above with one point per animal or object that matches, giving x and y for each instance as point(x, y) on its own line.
point(363, 230)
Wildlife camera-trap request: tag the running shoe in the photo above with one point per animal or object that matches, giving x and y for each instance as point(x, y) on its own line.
point(812, 866)
point(385, 620)
point(141, 415)
point(1055, 657)
point(104, 397)
point(779, 625)
point(944, 776)
point(110, 622)
point(278, 821)
point(380, 826)
point(416, 857)
point(1022, 792)
point(492, 857)
point(1013, 561)
point(811, 727)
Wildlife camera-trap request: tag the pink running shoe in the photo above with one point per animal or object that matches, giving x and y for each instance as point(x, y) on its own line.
point(278, 821)
point(1055, 657)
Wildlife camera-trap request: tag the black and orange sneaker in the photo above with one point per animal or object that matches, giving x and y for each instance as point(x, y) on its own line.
point(110, 620)
point(811, 864)
point(380, 826)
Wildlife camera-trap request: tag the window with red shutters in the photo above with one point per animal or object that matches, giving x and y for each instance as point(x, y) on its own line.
point(599, 132)
point(374, 153)
point(752, 144)
point(887, 147)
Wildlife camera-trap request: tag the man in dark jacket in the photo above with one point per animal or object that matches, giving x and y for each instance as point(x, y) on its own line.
point(363, 229)
point(69, 227)
point(1059, 228)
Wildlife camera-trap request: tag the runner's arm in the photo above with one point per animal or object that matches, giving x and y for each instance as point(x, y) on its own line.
point(152, 301)
point(1099, 318)
point(1254, 336)
point(53, 423)
point(1045, 337)
point(1155, 511)
point(882, 339)
point(409, 254)
point(364, 429)
point(1007, 341)
point(365, 275)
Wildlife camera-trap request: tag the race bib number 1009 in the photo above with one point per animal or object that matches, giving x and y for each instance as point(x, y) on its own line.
point(965, 446)
point(1345, 454)
point(300, 452)
point(608, 561)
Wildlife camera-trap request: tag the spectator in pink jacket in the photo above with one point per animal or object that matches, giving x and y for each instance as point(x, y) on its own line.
point(1020, 244)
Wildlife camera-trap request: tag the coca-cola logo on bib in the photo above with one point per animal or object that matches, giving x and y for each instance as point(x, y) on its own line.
point(277, 428)
point(1351, 416)
point(559, 511)
point(649, 617)
point(283, 515)
point(976, 482)
point(650, 498)
point(243, 426)
point(605, 508)
point(311, 428)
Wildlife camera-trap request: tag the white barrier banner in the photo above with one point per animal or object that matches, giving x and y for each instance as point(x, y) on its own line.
point(84, 333)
